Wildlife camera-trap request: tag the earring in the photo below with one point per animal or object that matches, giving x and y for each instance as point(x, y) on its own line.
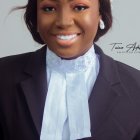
point(102, 25)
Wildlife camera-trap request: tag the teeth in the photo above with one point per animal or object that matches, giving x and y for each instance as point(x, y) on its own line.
point(66, 37)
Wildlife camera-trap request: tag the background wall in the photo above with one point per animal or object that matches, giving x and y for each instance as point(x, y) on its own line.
point(122, 42)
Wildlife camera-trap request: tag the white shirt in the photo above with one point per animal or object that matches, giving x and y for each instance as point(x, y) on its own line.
point(70, 82)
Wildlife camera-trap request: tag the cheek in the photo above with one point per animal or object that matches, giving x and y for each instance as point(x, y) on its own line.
point(90, 25)
point(92, 22)
point(43, 28)
point(89, 22)
point(43, 23)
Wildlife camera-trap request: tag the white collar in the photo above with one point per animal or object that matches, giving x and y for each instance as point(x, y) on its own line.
point(67, 98)
point(75, 65)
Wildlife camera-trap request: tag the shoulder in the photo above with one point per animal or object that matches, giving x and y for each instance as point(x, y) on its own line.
point(15, 65)
point(113, 68)
point(130, 80)
point(127, 72)
point(11, 68)
point(9, 63)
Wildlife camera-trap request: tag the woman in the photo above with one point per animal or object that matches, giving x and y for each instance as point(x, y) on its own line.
point(69, 89)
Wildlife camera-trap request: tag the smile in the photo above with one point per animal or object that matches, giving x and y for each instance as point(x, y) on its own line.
point(66, 37)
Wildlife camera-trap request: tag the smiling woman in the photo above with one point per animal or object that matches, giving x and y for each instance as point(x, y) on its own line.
point(68, 27)
point(69, 89)
point(31, 21)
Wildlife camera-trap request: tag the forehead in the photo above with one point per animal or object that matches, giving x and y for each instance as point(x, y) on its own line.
point(52, 0)
point(95, 3)
point(66, 0)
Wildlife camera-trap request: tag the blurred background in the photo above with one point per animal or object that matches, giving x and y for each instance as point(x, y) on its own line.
point(122, 42)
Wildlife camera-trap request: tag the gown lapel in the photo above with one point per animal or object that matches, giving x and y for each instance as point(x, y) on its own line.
point(35, 86)
point(103, 98)
point(105, 93)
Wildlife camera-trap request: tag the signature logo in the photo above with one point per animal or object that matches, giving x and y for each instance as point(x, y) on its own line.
point(128, 48)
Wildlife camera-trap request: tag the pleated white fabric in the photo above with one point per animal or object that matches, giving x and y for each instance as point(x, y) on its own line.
point(66, 113)
point(77, 106)
point(55, 112)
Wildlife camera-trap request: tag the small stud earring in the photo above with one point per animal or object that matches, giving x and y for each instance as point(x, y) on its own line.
point(102, 25)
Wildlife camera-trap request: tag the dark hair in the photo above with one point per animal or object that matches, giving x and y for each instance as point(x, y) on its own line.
point(30, 18)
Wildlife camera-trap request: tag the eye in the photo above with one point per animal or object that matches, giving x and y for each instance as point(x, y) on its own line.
point(48, 9)
point(80, 8)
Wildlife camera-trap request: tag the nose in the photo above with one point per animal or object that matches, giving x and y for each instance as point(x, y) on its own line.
point(64, 19)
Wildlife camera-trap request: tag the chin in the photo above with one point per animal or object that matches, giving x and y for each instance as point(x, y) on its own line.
point(67, 55)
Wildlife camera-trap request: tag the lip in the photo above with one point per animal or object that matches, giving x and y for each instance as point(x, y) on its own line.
point(66, 43)
point(65, 33)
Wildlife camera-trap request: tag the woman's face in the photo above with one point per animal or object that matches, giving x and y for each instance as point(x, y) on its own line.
point(68, 27)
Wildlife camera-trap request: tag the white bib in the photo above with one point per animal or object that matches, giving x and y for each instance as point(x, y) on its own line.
point(66, 112)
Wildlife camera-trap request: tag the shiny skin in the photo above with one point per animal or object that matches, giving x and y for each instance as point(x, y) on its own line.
point(65, 17)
